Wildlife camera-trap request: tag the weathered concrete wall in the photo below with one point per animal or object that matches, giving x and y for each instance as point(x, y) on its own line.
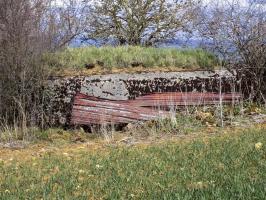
point(129, 86)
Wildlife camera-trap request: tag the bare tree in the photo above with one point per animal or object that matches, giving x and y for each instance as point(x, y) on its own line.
point(64, 21)
point(236, 31)
point(139, 22)
point(29, 28)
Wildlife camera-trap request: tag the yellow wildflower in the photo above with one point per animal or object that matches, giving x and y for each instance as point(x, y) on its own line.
point(7, 191)
point(200, 184)
point(258, 145)
point(99, 166)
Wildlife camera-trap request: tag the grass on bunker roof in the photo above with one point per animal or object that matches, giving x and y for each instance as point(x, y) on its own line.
point(228, 165)
point(72, 61)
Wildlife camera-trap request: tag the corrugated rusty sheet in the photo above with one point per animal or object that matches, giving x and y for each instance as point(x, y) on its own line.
point(170, 99)
point(91, 110)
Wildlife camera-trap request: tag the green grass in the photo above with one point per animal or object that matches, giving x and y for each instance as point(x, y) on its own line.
point(224, 167)
point(123, 57)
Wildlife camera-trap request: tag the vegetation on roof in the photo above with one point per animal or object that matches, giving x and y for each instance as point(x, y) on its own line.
point(131, 56)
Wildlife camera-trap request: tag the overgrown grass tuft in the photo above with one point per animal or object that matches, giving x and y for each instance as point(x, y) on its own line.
point(125, 56)
point(230, 166)
point(180, 124)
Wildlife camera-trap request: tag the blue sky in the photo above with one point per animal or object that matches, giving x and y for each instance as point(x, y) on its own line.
point(243, 2)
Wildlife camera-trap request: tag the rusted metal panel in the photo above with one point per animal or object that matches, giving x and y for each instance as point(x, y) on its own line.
point(92, 110)
point(184, 99)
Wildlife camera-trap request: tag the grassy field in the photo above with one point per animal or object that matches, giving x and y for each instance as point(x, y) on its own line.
point(124, 57)
point(228, 165)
